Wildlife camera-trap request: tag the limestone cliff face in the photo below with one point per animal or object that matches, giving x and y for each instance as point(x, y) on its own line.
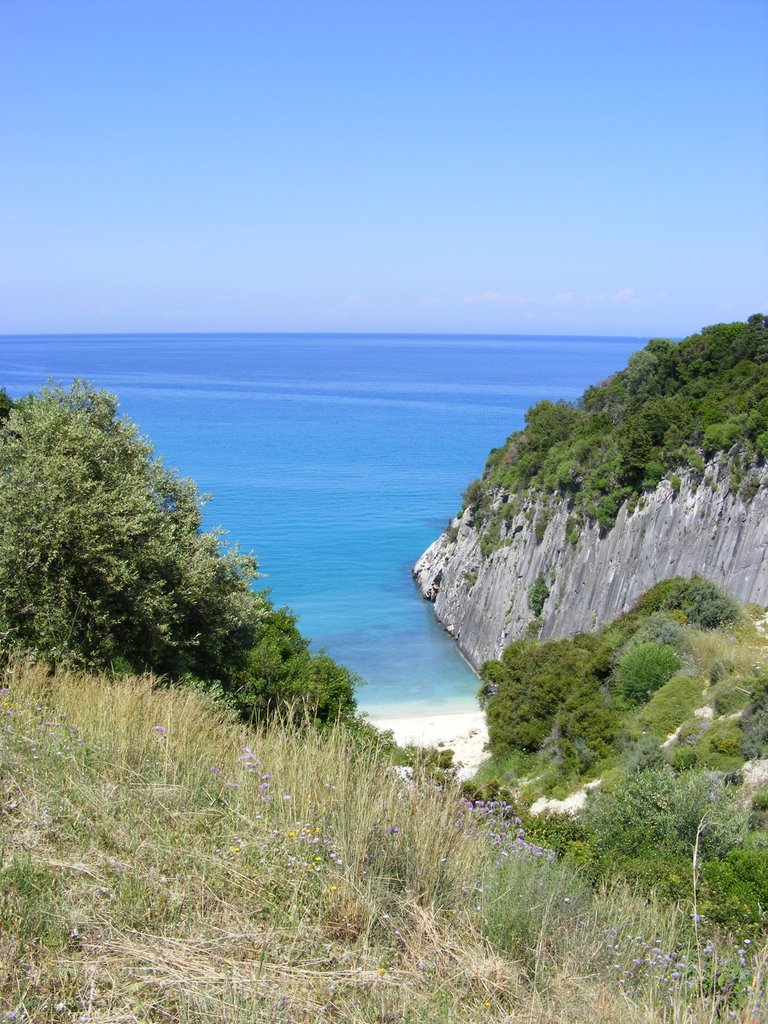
point(703, 528)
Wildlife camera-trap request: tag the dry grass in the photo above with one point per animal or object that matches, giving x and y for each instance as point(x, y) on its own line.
point(202, 872)
point(739, 655)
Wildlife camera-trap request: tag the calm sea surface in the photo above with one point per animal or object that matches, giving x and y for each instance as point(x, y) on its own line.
point(337, 459)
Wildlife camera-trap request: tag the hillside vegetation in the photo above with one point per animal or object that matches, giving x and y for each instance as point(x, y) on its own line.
point(161, 862)
point(197, 826)
point(667, 708)
point(674, 405)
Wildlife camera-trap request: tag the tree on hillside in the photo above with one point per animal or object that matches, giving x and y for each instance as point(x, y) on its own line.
point(5, 406)
point(284, 676)
point(102, 556)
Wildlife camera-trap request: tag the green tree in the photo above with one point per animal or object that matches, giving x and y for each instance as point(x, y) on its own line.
point(673, 404)
point(284, 676)
point(102, 556)
point(5, 406)
point(549, 696)
point(538, 594)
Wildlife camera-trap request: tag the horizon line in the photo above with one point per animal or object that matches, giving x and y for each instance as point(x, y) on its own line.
point(323, 334)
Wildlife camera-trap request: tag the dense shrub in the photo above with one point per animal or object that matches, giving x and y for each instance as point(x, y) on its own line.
point(550, 696)
point(561, 833)
point(537, 596)
point(703, 603)
point(661, 628)
point(683, 758)
point(6, 404)
point(642, 754)
point(657, 811)
point(721, 746)
point(664, 874)
point(284, 676)
point(103, 562)
point(754, 726)
point(734, 891)
point(709, 606)
point(645, 668)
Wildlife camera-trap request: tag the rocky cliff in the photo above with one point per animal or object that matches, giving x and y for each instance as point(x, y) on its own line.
point(699, 527)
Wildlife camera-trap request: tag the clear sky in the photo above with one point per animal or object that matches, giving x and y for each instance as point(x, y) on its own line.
point(548, 166)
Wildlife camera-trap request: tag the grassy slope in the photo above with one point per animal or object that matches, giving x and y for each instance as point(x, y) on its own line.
point(201, 872)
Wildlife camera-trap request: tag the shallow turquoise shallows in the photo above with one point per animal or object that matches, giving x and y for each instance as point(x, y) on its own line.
point(337, 459)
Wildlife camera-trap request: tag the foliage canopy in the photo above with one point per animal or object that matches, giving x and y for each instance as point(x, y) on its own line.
point(102, 557)
point(645, 668)
point(104, 563)
point(673, 405)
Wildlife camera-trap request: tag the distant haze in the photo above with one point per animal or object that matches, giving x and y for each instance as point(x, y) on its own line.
point(504, 166)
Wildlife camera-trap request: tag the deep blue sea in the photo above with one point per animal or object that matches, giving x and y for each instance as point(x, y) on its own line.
point(337, 459)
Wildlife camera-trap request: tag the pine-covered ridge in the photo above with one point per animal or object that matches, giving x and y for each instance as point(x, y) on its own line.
point(675, 405)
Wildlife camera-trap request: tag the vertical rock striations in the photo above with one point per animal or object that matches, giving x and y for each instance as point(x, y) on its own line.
point(701, 527)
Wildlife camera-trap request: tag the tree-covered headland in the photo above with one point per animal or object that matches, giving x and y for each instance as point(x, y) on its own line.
point(661, 709)
point(675, 405)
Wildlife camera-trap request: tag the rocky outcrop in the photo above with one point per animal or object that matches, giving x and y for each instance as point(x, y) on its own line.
point(701, 527)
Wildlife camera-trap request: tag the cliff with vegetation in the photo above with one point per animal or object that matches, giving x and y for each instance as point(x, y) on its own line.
point(657, 472)
point(557, 586)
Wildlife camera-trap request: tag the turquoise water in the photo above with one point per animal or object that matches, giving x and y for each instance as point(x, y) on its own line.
point(337, 459)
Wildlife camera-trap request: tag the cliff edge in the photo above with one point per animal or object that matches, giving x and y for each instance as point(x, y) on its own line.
point(577, 580)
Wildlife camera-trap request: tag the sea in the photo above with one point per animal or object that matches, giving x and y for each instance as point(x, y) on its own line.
point(337, 459)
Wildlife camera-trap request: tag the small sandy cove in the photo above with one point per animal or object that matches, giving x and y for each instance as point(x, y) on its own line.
point(464, 732)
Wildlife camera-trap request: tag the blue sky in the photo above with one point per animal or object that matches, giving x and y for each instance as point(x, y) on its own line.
point(319, 165)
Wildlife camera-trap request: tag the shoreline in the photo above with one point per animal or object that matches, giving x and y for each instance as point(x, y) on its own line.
point(463, 732)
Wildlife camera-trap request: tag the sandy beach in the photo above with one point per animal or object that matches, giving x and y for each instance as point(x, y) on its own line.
point(464, 732)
